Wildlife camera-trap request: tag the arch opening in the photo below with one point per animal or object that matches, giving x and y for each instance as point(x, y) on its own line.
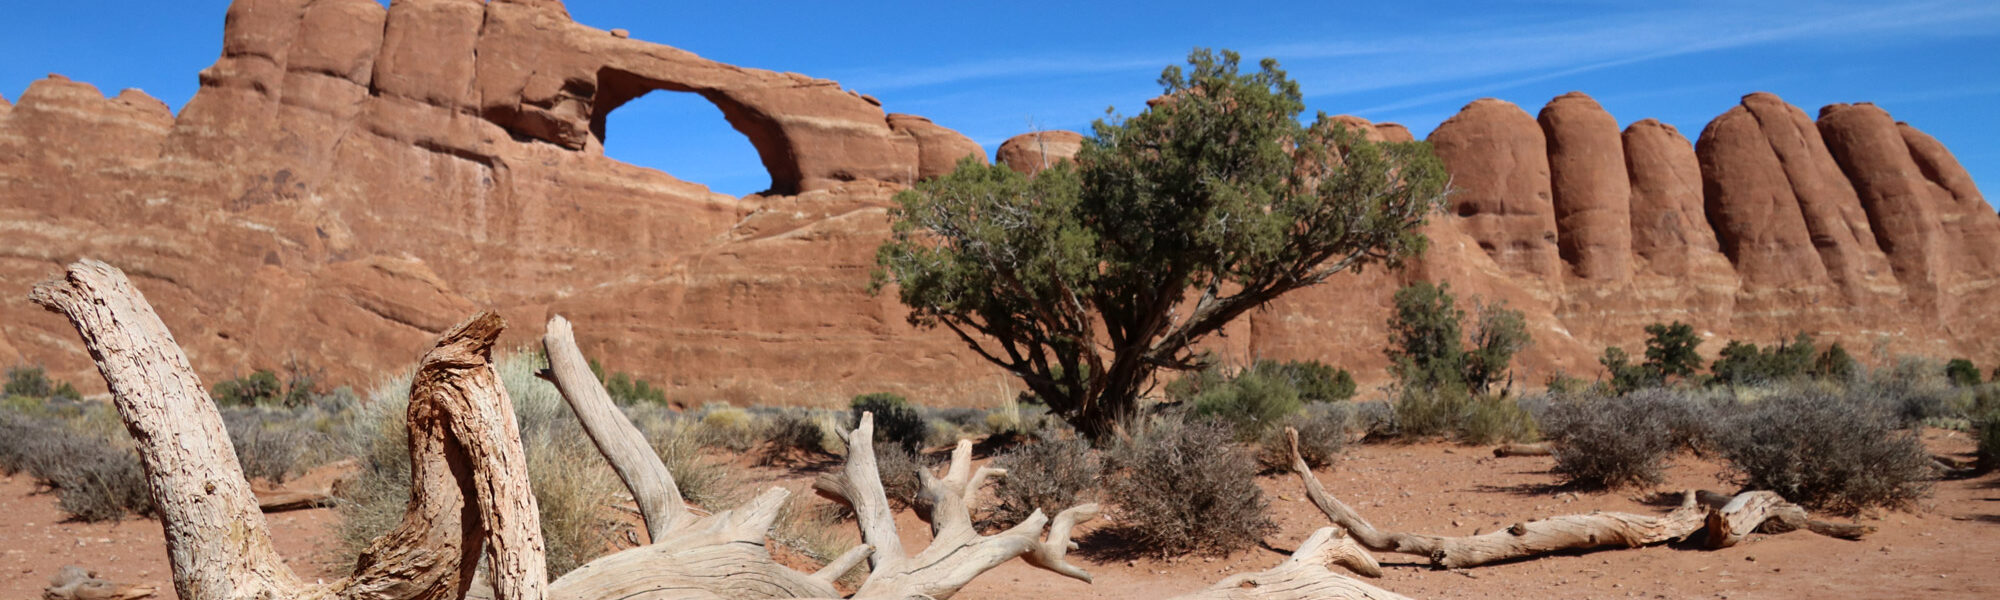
point(679, 133)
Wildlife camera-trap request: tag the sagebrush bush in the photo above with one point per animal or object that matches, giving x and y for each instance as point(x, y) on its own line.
point(896, 420)
point(1835, 452)
point(1323, 430)
point(1496, 419)
point(1613, 442)
point(95, 478)
point(1187, 488)
point(898, 468)
point(1426, 412)
point(795, 435)
point(1987, 426)
point(1048, 474)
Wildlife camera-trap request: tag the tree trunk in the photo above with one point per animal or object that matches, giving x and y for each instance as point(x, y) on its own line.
point(1545, 536)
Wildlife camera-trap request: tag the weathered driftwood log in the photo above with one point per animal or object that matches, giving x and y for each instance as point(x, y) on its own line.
point(1746, 512)
point(470, 490)
point(1732, 518)
point(469, 478)
point(1305, 575)
point(1535, 449)
point(957, 552)
point(73, 583)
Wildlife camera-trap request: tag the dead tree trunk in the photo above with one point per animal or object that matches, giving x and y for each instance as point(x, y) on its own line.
point(1305, 576)
point(468, 475)
point(471, 492)
point(1544, 536)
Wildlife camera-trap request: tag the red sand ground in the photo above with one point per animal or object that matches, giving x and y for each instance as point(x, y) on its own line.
point(1945, 547)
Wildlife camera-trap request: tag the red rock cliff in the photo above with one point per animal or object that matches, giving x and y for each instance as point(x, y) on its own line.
point(351, 179)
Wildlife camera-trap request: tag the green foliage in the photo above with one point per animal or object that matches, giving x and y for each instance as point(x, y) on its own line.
point(1497, 335)
point(1834, 364)
point(624, 388)
point(1625, 376)
point(1670, 350)
point(1425, 347)
point(1431, 412)
point(1251, 402)
point(1316, 381)
point(33, 382)
point(1186, 488)
point(1561, 382)
point(1986, 425)
point(1218, 195)
point(299, 387)
point(1744, 364)
point(897, 422)
point(1961, 372)
point(1494, 419)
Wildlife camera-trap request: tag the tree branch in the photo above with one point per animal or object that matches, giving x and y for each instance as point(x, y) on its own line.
point(620, 443)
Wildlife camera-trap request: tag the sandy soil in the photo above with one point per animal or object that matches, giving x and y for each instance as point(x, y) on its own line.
point(1945, 547)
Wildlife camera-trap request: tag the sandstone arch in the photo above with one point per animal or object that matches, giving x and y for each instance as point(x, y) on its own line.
point(685, 114)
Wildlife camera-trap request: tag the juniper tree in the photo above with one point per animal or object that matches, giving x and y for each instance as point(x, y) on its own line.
point(1084, 281)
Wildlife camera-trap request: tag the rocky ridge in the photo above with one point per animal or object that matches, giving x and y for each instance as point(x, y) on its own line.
point(352, 179)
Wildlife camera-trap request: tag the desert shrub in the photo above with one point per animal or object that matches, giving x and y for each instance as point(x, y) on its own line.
point(1186, 488)
point(1375, 418)
point(898, 467)
point(1612, 442)
point(625, 388)
point(1048, 474)
point(797, 435)
point(1430, 412)
point(1961, 372)
point(33, 382)
point(1835, 364)
point(1986, 425)
point(1828, 451)
point(1251, 402)
point(94, 478)
point(270, 446)
point(677, 440)
point(1743, 363)
point(1561, 382)
point(896, 420)
point(299, 386)
point(1495, 419)
point(1322, 436)
point(728, 427)
point(1315, 381)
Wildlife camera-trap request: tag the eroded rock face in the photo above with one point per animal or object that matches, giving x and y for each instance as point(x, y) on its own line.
point(1029, 153)
point(350, 180)
point(1499, 162)
point(1590, 188)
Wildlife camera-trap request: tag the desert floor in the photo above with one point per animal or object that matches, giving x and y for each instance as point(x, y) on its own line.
point(1944, 547)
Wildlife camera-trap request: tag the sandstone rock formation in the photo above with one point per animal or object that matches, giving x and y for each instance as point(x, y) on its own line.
point(1029, 153)
point(350, 180)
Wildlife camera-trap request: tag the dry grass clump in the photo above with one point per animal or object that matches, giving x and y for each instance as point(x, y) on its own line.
point(1323, 429)
point(813, 528)
point(1186, 488)
point(1050, 473)
point(573, 485)
point(1835, 452)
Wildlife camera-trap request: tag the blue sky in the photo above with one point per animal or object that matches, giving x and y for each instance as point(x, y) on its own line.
point(992, 70)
